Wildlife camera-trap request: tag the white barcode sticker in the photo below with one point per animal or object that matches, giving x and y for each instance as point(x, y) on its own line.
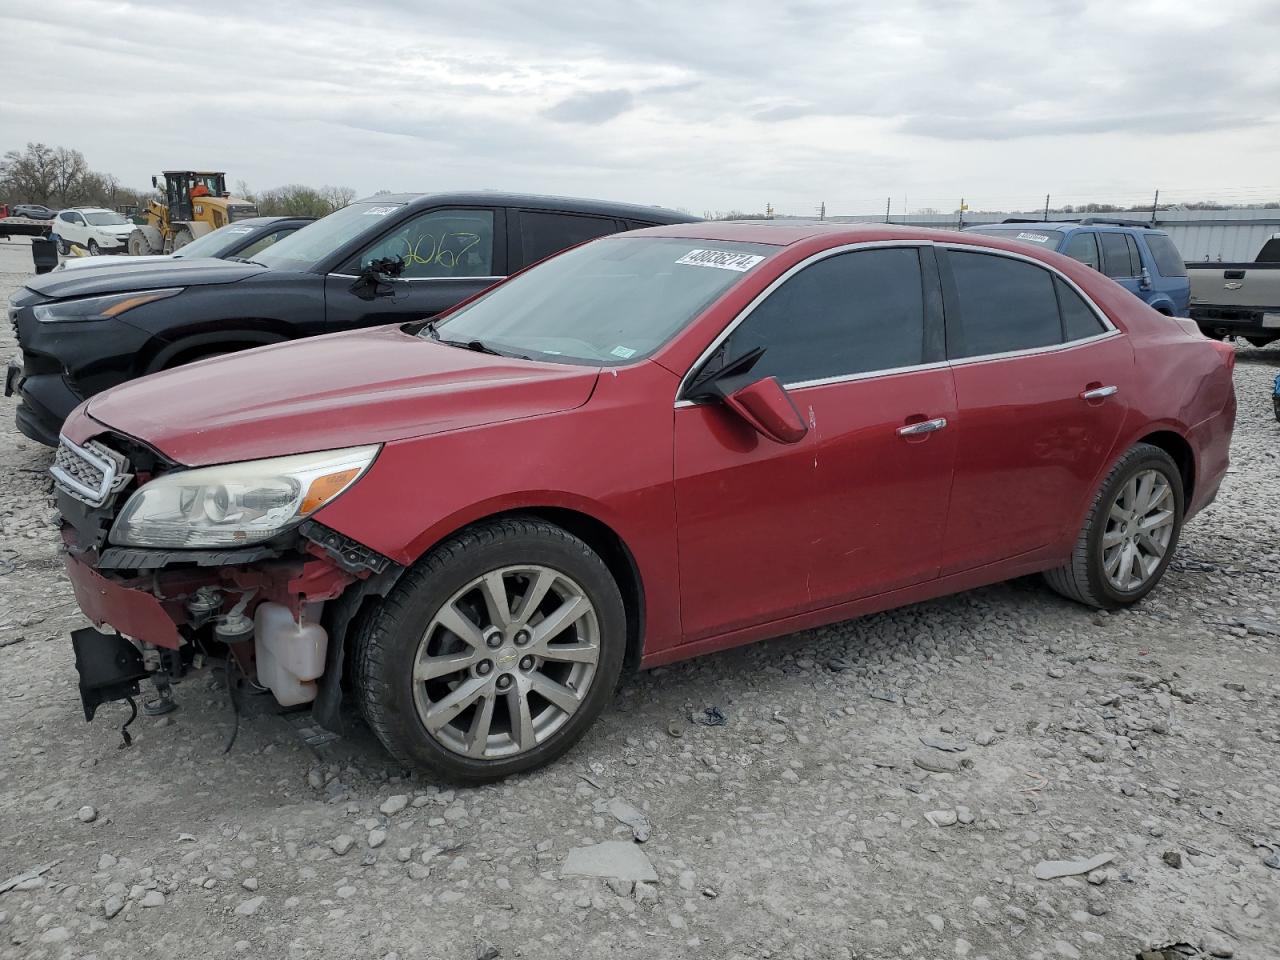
point(720, 259)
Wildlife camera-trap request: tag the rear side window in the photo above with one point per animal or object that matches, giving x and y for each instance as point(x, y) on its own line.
point(542, 234)
point(1005, 305)
point(1116, 258)
point(1168, 261)
point(851, 313)
point(1078, 320)
point(1083, 247)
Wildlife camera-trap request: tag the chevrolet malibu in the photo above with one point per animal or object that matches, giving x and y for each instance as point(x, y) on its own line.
point(649, 447)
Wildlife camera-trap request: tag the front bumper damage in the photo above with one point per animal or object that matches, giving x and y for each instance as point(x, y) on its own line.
point(176, 609)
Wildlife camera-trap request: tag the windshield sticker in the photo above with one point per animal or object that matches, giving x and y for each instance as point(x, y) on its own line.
point(720, 259)
point(1034, 237)
point(241, 230)
point(626, 353)
point(379, 211)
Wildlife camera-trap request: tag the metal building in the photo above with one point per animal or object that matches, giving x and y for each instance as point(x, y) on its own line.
point(1228, 235)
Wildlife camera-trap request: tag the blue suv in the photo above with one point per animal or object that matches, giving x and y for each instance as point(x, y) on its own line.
point(1142, 260)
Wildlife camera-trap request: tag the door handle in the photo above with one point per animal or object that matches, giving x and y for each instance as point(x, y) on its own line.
point(924, 426)
point(1099, 393)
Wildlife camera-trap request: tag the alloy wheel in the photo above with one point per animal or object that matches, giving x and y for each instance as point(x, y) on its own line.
point(1139, 529)
point(506, 661)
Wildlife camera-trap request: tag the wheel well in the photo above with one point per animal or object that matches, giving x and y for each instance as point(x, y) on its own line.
point(199, 351)
point(613, 551)
point(1177, 447)
point(1165, 310)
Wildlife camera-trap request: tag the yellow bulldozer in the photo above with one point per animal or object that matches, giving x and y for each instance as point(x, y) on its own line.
point(192, 203)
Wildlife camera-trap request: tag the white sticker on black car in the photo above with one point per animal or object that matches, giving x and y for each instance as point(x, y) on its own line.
point(379, 211)
point(720, 259)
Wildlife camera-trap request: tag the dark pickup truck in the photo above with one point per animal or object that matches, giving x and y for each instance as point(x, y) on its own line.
point(1239, 299)
point(390, 258)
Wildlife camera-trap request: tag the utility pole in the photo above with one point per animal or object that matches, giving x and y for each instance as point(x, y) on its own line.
point(1046, 207)
point(1154, 205)
point(822, 210)
point(963, 208)
point(768, 211)
point(887, 202)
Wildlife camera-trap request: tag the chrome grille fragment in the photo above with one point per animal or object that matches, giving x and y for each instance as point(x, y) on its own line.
point(92, 473)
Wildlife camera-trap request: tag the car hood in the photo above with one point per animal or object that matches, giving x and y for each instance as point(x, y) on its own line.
point(146, 275)
point(109, 263)
point(323, 393)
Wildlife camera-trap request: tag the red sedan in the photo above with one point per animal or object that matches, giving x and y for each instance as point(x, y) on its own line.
point(652, 446)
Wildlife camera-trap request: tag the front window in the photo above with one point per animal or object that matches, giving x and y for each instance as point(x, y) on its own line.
point(1044, 239)
point(105, 219)
point(439, 244)
point(214, 243)
point(612, 301)
point(314, 242)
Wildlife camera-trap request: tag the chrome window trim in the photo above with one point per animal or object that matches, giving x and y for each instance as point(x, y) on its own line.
point(349, 276)
point(1111, 330)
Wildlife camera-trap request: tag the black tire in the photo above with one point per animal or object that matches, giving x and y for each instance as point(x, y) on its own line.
point(1260, 341)
point(384, 644)
point(93, 248)
point(1083, 578)
point(63, 247)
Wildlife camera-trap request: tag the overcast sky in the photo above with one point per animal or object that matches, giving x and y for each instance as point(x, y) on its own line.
point(705, 106)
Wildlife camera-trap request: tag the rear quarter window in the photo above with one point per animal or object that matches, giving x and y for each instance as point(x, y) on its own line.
point(1168, 260)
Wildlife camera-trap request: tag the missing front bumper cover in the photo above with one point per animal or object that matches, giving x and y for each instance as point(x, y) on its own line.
point(110, 668)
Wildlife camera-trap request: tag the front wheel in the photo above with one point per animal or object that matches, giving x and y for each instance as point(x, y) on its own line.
point(1130, 533)
point(94, 249)
point(494, 653)
point(63, 247)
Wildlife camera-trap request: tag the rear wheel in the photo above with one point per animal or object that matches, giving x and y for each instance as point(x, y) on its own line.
point(1129, 535)
point(1260, 341)
point(181, 237)
point(494, 654)
point(64, 248)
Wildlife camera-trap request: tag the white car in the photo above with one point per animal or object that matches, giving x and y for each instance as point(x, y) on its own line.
point(93, 229)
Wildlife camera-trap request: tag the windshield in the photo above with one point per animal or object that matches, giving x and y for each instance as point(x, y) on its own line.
point(105, 219)
point(215, 243)
point(611, 301)
point(1045, 239)
point(301, 250)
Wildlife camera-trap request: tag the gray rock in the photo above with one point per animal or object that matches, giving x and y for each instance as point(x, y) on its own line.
point(377, 838)
point(616, 859)
point(341, 844)
point(87, 814)
point(625, 813)
point(249, 883)
point(249, 907)
point(1052, 869)
point(942, 818)
point(111, 906)
point(393, 805)
point(153, 898)
point(937, 762)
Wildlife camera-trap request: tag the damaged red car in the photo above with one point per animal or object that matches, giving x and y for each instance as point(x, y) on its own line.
point(651, 446)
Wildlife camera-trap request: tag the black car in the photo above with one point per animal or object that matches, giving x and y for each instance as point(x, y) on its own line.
point(244, 239)
point(32, 211)
point(388, 258)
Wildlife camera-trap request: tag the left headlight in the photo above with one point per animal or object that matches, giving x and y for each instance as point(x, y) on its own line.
point(99, 308)
point(238, 503)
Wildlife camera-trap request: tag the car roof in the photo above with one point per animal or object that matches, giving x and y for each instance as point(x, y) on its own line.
point(783, 233)
point(535, 201)
point(266, 221)
point(1066, 226)
point(90, 209)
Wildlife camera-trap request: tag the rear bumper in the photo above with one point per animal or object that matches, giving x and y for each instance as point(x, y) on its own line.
point(1212, 440)
point(131, 612)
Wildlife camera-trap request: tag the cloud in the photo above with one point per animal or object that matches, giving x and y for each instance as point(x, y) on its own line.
point(593, 107)
point(702, 106)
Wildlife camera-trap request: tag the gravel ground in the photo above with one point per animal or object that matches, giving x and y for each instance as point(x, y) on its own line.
point(820, 820)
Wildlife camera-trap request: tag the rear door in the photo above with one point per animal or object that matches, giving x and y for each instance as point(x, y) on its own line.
point(1121, 260)
point(449, 254)
point(1041, 388)
point(537, 234)
point(858, 506)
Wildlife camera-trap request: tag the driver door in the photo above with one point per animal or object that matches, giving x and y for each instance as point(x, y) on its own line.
point(859, 505)
point(448, 254)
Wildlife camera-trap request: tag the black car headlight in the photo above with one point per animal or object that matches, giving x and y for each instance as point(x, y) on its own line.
point(99, 308)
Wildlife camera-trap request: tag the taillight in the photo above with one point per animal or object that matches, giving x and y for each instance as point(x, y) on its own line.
point(1228, 353)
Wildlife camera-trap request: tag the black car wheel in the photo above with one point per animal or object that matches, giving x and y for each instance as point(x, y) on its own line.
point(494, 653)
point(94, 249)
point(1130, 533)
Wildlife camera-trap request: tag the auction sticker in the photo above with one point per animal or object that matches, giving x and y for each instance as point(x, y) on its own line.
point(1033, 237)
point(379, 211)
point(720, 259)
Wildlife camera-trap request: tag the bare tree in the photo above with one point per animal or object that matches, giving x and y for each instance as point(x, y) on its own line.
point(27, 176)
point(70, 171)
point(337, 197)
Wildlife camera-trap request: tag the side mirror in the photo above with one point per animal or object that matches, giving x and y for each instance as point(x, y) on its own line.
point(767, 407)
point(376, 278)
